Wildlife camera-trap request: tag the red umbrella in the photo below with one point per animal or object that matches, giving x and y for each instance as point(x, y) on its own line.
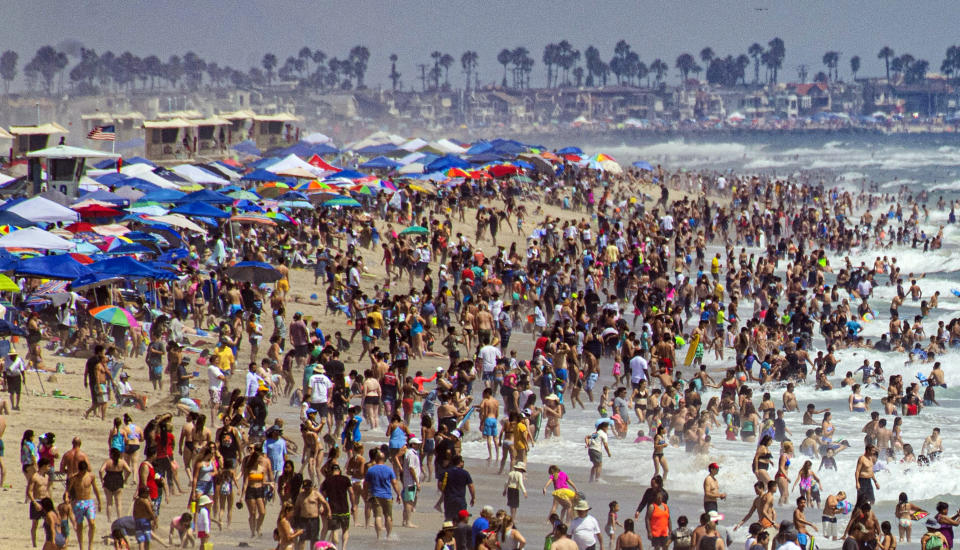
point(502, 170)
point(97, 211)
point(79, 227)
point(82, 258)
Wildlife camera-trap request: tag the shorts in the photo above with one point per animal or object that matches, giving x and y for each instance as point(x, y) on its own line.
point(283, 285)
point(14, 384)
point(710, 506)
point(205, 487)
point(382, 507)
point(84, 509)
point(214, 397)
point(311, 529)
point(660, 541)
point(371, 400)
point(321, 409)
point(513, 497)
point(596, 458)
point(490, 426)
point(143, 530)
point(34, 513)
point(102, 394)
point(156, 373)
point(410, 494)
point(301, 351)
point(338, 521)
point(163, 467)
point(253, 493)
point(829, 526)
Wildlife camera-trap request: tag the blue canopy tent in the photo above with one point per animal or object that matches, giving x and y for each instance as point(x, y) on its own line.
point(380, 163)
point(643, 165)
point(262, 175)
point(479, 148)
point(508, 147)
point(570, 151)
point(348, 174)
point(445, 163)
point(248, 206)
point(247, 147)
point(174, 254)
point(162, 195)
point(171, 235)
point(483, 158)
point(62, 267)
point(207, 196)
point(128, 267)
point(113, 179)
point(381, 149)
point(171, 176)
point(16, 220)
point(142, 185)
point(199, 209)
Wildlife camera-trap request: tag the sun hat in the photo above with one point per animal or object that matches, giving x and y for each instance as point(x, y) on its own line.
point(581, 506)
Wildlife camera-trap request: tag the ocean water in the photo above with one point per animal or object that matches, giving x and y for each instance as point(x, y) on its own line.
point(930, 165)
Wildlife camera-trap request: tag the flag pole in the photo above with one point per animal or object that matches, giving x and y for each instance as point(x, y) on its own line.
point(113, 145)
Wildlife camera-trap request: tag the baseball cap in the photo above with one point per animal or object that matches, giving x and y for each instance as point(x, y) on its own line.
point(415, 441)
point(715, 516)
point(464, 514)
point(713, 466)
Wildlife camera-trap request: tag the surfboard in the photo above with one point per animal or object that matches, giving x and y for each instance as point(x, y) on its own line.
point(465, 418)
point(536, 428)
point(956, 292)
point(692, 350)
point(919, 515)
point(922, 379)
point(845, 507)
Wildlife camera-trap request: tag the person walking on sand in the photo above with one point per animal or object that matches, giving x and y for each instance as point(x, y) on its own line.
point(514, 486)
point(596, 444)
point(585, 529)
point(381, 483)
point(80, 486)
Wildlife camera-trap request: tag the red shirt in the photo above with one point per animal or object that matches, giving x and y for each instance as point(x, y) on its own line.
point(165, 450)
point(152, 482)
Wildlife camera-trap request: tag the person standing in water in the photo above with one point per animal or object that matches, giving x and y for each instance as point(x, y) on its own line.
point(864, 476)
point(711, 489)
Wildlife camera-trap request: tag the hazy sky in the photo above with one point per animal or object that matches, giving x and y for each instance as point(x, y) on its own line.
point(238, 33)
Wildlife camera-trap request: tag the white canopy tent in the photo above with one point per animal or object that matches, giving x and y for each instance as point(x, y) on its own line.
point(146, 173)
point(291, 162)
point(39, 209)
point(198, 175)
point(35, 238)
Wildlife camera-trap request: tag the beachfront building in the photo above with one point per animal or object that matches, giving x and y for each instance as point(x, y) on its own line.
point(33, 137)
point(276, 130)
point(128, 125)
point(241, 124)
point(65, 166)
point(210, 139)
point(169, 140)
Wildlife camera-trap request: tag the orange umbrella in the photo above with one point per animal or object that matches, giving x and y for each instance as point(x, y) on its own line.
point(457, 173)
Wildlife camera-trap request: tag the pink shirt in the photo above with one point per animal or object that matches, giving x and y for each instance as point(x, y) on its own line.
point(560, 481)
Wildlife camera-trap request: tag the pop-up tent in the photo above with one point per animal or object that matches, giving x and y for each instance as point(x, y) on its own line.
point(61, 267)
point(35, 238)
point(40, 209)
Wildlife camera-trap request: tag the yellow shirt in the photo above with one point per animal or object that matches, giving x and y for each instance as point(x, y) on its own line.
point(227, 360)
point(520, 436)
point(376, 319)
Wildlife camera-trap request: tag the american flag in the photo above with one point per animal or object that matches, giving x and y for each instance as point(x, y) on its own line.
point(103, 133)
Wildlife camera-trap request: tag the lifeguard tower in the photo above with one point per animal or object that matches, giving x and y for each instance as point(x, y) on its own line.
point(65, 166)
point(32, 138)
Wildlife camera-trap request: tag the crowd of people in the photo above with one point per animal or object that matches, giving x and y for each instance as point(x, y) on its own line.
point(667, 314)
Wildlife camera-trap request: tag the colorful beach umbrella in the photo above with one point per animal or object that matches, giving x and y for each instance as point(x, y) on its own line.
point(415, 230)
point(114, 315)
point(7, 284)
point(343, 201)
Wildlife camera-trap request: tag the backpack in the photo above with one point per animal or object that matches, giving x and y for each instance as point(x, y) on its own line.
point(933, 543)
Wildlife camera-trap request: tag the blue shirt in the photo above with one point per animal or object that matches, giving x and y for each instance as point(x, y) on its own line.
point(479, 525)
point(276, 450)
point(379, 480)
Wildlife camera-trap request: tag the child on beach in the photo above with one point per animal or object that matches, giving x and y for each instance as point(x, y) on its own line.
point(612, 522)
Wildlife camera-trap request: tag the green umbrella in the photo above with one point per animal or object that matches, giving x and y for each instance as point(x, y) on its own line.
point(242, 195)
point(415, 230)
point(522, 179)
point(343, 201)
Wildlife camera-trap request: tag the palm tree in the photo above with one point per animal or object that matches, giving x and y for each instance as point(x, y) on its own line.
point(269, 63)
point(659, 69)
point(468, 61)
point(394, 75)
point(358, 58)
point(855, 66)
point(643, 72)
point(578, 75)
point(504, 58)
point(777, 51)
point(755, 51)
point(707, 55)
point(830, 60)
point(551, 53)
point(446, 61)
point(521, 64)
point(743, 61)
point(885, 54)
point(685, 64)
point(8, 68)
point(319, 60)
point(592, 58)
point(435, 71)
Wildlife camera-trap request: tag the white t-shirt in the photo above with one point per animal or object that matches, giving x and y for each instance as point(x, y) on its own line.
point(253, 384)
point(203, 520)
point(638, 369)
point(213, 377)
point(667, 222)
point(789, 545)
point(489, 355)
point(319, 388)
point(597, 440)
point(584, 531)
point(411, 461)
